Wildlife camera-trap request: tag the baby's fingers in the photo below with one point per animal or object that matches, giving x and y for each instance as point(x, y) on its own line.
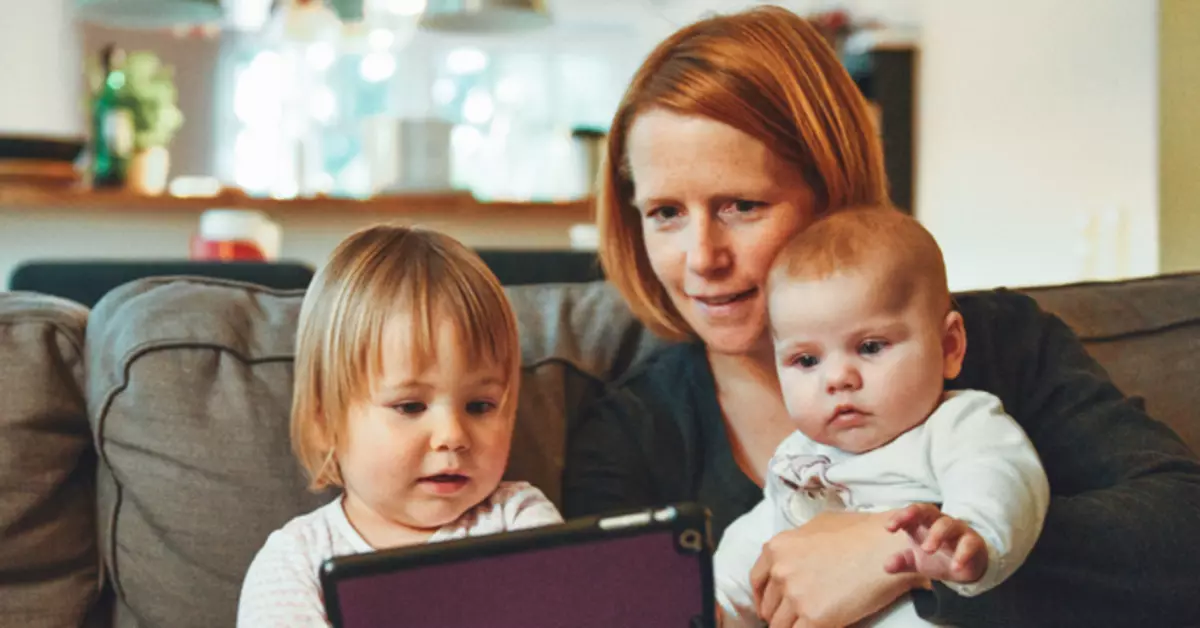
point(912, 517)
point(901, 562)
point(944, 531)
point(970, 558)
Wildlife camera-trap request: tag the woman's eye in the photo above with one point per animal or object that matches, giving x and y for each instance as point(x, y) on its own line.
point(663, 213)
point(480, 407)
point(410, 407)
point(744, 207)
point(872, 347)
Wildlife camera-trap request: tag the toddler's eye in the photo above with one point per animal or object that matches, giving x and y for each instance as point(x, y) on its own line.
point(410, 407)
point(872, 347)
point(480, 407)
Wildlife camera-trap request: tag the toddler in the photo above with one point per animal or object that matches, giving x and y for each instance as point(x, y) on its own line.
point(865, 335)
point(407, 367)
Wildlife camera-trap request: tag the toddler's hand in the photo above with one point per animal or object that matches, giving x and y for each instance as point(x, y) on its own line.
point(941, 547)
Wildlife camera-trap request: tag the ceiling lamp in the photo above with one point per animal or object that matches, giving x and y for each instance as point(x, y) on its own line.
point(148, 13)
point(484, 16)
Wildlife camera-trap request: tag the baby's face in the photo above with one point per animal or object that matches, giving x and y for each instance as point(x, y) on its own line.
point(859, 364)
point(426, 444)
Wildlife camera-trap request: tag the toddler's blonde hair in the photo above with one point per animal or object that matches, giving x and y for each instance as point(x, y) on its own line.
point(374, 275)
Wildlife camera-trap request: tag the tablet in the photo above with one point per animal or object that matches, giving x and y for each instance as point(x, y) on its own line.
point(649, 568)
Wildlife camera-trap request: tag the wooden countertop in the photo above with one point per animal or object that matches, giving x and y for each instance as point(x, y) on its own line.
point(460, 203)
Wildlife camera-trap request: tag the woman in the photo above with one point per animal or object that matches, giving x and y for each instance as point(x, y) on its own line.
point(735, 133)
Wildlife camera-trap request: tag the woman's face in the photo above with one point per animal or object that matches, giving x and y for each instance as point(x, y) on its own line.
point(716, 206)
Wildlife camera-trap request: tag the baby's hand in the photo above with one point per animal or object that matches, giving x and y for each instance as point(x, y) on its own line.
point(941, 547)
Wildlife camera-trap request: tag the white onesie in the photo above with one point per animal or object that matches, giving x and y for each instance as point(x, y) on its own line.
point(969, 456)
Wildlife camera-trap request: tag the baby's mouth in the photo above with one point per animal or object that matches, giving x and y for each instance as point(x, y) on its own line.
point(847, 412)
point(445, 478)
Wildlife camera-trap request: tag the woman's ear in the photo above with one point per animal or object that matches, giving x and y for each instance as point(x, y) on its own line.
point(954, 345)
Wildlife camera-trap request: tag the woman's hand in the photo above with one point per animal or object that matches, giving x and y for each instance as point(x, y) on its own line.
point(828, 572)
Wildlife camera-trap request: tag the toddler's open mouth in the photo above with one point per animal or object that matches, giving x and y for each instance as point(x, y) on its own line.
point(444, 483)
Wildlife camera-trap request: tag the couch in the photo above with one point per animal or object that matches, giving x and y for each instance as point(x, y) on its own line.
point(144, 451)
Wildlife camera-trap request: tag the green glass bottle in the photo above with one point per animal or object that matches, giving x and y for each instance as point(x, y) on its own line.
point(112, 124)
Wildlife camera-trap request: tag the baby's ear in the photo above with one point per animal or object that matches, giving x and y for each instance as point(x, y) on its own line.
point(954, 345)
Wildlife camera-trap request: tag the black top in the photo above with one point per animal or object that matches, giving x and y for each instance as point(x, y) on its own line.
point(1121, 542)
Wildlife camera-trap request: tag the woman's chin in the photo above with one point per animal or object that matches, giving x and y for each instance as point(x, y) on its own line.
point(742, 340)
point(734, 329)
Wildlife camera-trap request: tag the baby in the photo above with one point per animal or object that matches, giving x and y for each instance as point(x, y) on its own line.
point(407, 367)
point(865, 334)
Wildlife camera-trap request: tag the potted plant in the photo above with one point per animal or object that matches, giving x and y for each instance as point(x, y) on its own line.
point(145, 90)
point(151, 97)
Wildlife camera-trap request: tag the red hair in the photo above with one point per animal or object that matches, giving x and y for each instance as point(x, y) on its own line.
point(768, 73)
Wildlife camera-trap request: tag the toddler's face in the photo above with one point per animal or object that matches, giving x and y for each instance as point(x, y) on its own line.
point(858, 363)
point(426, 446)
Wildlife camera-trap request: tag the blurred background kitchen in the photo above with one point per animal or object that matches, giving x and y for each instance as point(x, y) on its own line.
point(1042, 141)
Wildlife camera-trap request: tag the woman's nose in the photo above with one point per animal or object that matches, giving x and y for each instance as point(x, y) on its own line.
point(707, 250)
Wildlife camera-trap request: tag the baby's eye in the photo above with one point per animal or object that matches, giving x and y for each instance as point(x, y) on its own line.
point(872, 347)
point(806, 360)
point(410, 407)
point(480, 407)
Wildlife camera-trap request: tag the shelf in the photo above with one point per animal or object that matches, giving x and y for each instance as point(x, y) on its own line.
point(28, 198)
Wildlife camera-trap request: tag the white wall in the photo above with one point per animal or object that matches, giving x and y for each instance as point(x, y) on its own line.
point(659, 18)
point(1037, 138)
point(42, 84)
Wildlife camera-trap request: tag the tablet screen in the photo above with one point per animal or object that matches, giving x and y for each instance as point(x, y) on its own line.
point(633, 581)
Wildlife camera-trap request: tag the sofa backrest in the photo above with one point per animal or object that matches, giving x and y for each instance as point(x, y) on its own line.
point(190, 385)
point(49, 565)
point(1146, 334)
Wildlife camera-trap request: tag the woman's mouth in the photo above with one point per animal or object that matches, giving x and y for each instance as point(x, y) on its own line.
point(724, 304)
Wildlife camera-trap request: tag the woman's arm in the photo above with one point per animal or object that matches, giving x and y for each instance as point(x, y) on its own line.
point(1119, 542)
point(606, 468)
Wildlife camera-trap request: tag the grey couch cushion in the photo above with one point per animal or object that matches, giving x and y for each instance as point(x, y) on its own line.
point(49, 568)
point(1146, 334)
point(189, 394)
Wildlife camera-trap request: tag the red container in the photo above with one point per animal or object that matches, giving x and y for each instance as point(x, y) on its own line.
point(226, 250)
point(235, 235)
